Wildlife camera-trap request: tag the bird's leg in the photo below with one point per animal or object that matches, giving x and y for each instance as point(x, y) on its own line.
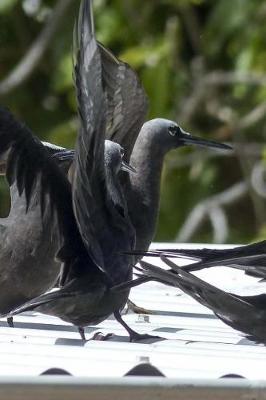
point(136, 309)
point(10, 322)
point(129, 284)
point(133, 336)
point(82, 333)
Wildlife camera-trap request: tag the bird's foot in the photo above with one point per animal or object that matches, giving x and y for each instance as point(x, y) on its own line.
point(135, 337)
point(10, 322)
point(136, 309)
point(101, 337)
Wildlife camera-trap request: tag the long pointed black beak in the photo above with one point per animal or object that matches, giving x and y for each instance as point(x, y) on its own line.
point(127, 168)
point(187, 139)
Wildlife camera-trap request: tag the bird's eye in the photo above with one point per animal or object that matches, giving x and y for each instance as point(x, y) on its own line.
point(173, 130)
point(122, 152)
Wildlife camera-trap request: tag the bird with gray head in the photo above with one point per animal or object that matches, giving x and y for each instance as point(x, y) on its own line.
point(145, 146)
point(156, 138)
point(36, 247)
point(91, 216)
point(86, 295)
point(243, 313)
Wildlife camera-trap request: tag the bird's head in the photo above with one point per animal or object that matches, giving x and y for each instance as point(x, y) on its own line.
point(169, 135)
point(113, 158)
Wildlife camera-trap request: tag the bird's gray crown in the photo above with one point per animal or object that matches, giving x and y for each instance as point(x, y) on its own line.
point(161, 125)
point(113, 155)
point(163, 133)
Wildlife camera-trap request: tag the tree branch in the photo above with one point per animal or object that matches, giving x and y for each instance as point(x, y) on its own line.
point(207, 208)
point(203, 81)
point(35, 53)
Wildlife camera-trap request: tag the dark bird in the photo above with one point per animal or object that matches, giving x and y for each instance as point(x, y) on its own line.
point(243, 313)
point(156, 138)
point(91, 214)
point(250, 258)
point(145, 146)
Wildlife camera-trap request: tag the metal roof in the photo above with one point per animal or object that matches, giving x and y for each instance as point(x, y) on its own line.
point(194, 345)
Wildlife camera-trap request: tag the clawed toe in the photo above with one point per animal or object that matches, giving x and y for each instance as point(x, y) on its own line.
point(137, 337)
point(136, 309)
point(101, 337)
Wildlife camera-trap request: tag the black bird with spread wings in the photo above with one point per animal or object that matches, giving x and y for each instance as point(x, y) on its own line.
point(28, 243)
point(145, 147)
point(91, 214)
point(145, 144)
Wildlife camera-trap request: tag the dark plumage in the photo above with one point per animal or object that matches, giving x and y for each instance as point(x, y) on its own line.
point(145, 148)
point(145, 144)
point(156, 138)
point(244, 313)
point(91, 215)
point(250, 258)
point(28, 245)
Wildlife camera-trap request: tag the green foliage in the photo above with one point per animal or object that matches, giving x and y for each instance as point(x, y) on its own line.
point(6, 5)
point(163, 41)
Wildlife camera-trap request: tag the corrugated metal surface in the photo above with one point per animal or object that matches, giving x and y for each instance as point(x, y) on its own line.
point(194, 344)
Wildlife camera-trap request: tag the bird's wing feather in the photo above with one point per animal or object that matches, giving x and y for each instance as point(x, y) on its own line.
point(127, 103)
point(41, 300)
point(248, 258)
point(244, 263)
point(225, 305)
point(30, 163)
point(90, 197)
point(126, 100)
point(206, 254)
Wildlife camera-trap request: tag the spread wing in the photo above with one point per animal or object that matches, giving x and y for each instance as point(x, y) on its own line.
point(29, 163)
point(90, 198)
point(127, 101)
point(227, 306)
point(250, 258)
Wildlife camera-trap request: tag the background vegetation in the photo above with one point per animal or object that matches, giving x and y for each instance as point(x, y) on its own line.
point(202, 63)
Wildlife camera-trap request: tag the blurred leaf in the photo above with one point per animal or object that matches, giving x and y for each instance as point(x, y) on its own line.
point(62, 77)
point(64, 134)
point(150, 55)
point(7, 5)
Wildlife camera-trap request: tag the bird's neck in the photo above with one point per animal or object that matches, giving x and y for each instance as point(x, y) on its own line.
point(143, 195)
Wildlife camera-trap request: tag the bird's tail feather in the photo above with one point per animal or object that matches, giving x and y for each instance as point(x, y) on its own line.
point(32, 304)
